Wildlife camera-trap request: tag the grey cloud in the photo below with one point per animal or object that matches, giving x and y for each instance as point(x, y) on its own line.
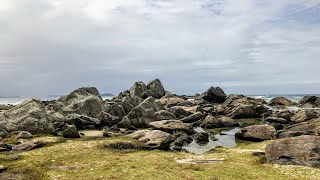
point(52, 47)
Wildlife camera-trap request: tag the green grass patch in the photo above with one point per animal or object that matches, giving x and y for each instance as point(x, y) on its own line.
point(89, 159)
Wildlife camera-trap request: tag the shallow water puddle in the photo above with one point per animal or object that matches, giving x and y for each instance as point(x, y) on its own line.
point(225, 139)
point(199, 161)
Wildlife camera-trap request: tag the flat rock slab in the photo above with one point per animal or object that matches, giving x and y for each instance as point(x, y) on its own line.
point(200, 161)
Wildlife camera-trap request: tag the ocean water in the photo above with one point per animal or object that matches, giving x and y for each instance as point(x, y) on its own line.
point(18, 100)
point(292, 97)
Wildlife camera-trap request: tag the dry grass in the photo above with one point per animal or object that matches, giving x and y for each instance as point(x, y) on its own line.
point(87, 159)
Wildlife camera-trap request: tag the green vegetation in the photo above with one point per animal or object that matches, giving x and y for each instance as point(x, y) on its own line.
point(91, 159)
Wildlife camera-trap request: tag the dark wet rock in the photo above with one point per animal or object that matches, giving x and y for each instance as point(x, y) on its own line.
point(5, 147)
point(2, 168)
point(213, 95)
point(192, 118)
point(82, 121)
point(276, 120)
point(277, 126)
point(156, 88)
point(314, 101)
point(182, 140)
point(261, 109)
point(138, 89)
point(287, 133)
point(71, 132)
point(257, 133)
point(24, 135)
point(28, 145)
point(142, 115)
point(106, 134)
point(212, 122)
point(171, 126)
point(304, 115)
point(281, 101)
point(258, 153)
point(28, 116)
point(165, 115)
point(147, 94)
point(83, 101)
point(154, 139)
point(201, 138)
point(107, 119)
point(302, 150)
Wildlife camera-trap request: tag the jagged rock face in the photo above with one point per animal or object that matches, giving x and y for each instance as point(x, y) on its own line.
point(28, 116)
point(281, 101)
point(242, 111)
point(304, 115)
point(165, 115)
point(138, 89)
point(82, 121)
point(154, 139)
point(213, 95)
point(156, 88)
point(212, 122)
point(83, 101)
point(257, 133)
point(302, 150)
point(107, 119)
point(142, 115)
point(171, 126)
point(313, 100)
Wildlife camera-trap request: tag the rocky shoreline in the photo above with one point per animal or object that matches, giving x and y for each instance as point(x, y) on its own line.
point(166, 121)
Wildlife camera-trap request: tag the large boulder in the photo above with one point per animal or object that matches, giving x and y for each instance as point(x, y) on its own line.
point(138, 89)
point(213, 95)
point(257, 133)
point(281, 101)
point(142, 115)
point(71, 132)
point(83, 101)
point(212, 122)
point(83, 121)
point(28, 116)
point(311, 127)
point(154, 139)
point(107, 119)
point(156, 88)
point(192, 118)
point(304, 115)
point(302, 150)
point(242, 111)
point(170, 100)
point(313, 100)
point(171, 126)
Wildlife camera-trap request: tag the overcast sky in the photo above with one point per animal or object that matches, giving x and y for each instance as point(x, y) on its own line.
point(244, 46)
